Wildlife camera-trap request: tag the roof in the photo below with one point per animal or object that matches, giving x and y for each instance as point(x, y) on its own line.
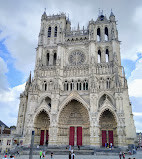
point(1, 123)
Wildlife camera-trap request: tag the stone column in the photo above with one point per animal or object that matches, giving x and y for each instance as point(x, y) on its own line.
point(51, 59)
point(103, 58)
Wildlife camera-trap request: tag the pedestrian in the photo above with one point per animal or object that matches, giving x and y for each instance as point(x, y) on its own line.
point(73, 155)
point(78, 147)
point(69, 147)
point(123, 155)
point(72, 150)
point(5, 157)
point(69, 155)
point(51, 155)
point(105, 145)
point(120, 154)
point(11, 156)
point(40, 154)
point(43, 154)
point(111, 146)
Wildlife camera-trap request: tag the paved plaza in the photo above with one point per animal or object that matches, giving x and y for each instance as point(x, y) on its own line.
point(137, 156)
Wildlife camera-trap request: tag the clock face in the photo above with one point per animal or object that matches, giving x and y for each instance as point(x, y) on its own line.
point(76, 58)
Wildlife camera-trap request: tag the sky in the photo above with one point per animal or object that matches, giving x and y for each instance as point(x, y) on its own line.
point(19, 29)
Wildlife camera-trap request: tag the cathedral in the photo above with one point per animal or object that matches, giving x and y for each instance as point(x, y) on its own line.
point(79, 93)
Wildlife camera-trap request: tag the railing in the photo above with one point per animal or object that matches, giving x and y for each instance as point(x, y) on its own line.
point(77, 33)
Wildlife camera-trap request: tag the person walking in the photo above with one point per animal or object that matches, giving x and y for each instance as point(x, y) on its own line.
point(120, 155)
point(40, 154)
point(43, 154)
point(73, 156)
point(51, 155)
point(123, 155)
point(69, 155)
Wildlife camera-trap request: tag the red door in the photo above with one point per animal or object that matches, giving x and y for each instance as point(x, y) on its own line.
point(42, 137)
point(110, 136)
point(71, 138)
point(104, 137)
point(79, 136)
point(46, 137)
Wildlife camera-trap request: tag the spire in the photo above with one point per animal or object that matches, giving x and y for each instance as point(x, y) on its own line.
point(112, 16)
point(44, 15)
point(29, 79)
point(78, 28)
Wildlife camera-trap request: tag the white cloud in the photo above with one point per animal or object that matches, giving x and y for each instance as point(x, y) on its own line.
point(135, 80)
point(3, 79)
point(135, 88)
point(137, 114)
point(9, 104)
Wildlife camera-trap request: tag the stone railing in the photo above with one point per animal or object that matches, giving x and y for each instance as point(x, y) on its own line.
point(70, 71)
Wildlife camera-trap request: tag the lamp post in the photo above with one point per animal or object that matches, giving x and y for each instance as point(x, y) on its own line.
point(31, 146)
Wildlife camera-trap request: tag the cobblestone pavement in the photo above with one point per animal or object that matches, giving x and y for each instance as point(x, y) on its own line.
point(137, 156)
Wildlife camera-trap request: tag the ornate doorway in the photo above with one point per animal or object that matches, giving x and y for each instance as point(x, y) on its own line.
point(74, 125)
point(108, 128)
point(41, 126)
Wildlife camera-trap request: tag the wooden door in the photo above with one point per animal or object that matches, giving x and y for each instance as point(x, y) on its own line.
point(104, 137)
point(79, 136)
point(71, 137)
point(42, 137)
point(110, 136)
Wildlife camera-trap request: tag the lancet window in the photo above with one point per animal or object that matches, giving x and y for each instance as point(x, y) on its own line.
point(106, 34)
point(107, 55)
point(49, 32)
point(99, 56)
point(55, 31)
point(98, 34)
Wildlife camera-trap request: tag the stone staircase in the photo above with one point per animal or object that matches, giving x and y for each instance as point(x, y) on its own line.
point(84, 150)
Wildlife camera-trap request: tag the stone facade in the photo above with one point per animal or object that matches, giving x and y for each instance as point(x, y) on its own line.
point(78, 82)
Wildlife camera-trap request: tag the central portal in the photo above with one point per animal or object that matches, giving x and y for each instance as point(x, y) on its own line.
point(74, 125)
point(75, 133)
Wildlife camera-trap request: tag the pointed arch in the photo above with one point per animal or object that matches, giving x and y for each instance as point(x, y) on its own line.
point(106, 34)
point(73, 96)
point(109, 95)
point(98, 34)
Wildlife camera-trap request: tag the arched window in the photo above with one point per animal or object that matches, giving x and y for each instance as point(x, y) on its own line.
point(55, 31)
point(67, 86)
point(98, 34)
point(84, 84)
point(47, 59)
point(77, 86)
point(106, 34)
point(99, 56)
point(49, 32)
point(107, 55)
point(80, 86)
point(108, 83)
point(72, 85)
point(45, 86)
point(55, 58)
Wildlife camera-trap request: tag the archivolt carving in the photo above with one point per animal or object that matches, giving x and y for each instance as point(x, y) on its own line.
point(40, 109)
point(73, 96)
point(111, 110)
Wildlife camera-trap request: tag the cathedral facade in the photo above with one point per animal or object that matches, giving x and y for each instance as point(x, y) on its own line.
point(78, 94)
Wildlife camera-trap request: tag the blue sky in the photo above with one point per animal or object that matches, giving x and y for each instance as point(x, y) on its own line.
point(19, 29)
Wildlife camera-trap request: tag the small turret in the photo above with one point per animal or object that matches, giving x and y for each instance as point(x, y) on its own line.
point(112, 17)
point(44, 16)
